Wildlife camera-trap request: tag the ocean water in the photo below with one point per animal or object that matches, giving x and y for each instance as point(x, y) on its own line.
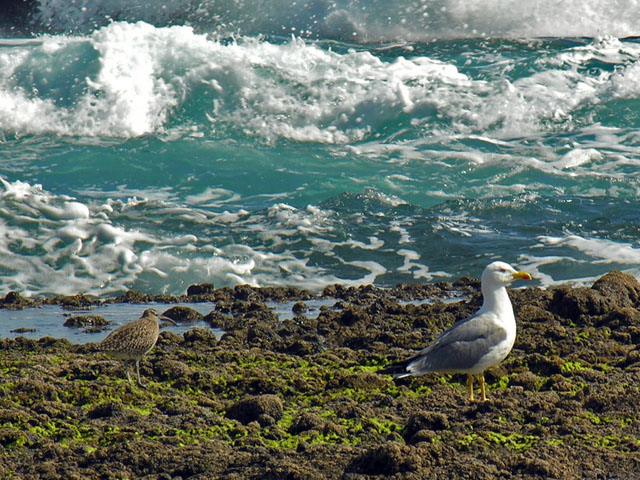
point(153, 145)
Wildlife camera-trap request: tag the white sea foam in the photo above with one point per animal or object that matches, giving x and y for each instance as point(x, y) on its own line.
point(417, 270)
point(54, 244)
point(601, 250)
point(102, 250)
point(576, 158)
point(63, 247)
point(143, 78)
point(145, 75)
point(462, 224)
point(398, 227)
point(212, 197)
point(537, 267)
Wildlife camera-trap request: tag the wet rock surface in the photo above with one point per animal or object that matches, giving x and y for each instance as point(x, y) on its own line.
point(77, 321)
point(183, 315)
point(301, 399)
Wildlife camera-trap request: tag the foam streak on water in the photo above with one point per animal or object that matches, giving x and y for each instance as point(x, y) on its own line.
point(154, 157)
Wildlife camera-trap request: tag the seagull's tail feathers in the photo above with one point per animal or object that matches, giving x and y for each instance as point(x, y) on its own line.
point(398, 369)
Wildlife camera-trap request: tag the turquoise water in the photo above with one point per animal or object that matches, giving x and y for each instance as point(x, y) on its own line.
point(352, 142)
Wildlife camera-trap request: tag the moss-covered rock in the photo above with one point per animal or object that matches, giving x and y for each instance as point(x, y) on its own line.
point(302, 398)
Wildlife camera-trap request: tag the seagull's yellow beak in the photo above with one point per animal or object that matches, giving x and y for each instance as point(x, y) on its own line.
point(521, 276)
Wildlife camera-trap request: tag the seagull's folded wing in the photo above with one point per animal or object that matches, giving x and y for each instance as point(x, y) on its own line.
point(460, 347)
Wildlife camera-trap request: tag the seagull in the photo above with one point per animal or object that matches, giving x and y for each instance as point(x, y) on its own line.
point(479, 342)
point(134, 340)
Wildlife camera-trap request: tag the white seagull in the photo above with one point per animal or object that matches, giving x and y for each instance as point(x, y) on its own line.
point(479, 342)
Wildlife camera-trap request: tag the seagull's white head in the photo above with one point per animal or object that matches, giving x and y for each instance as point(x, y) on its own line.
point(499, 274)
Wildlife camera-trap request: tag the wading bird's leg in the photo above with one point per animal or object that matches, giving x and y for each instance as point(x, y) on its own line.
point(126, 369)
point(138, 373)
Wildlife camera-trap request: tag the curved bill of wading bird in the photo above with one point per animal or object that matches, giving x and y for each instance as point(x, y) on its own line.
point(479, 342)
point(133, 341)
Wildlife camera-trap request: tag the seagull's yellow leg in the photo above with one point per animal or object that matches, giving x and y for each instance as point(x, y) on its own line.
point(481, 380)
point(470, 387)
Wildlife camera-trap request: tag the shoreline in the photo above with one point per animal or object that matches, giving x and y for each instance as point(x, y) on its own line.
point(301, 399)
point(207, 292)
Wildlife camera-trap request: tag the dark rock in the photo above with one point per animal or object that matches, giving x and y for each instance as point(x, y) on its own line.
point(96, 329)
point(365, 381)
point(200, 336)
point(533, 313)
point(284, 294)
point(23, 330)
point(351, 315)
point(55, 344)
point(388, 459)
point(299, 308)
point(37, 388)
point(302, 347)
point(613, 291)
point(302, 400)
point(14, 301)
point(11, 436)
point(545, 365)
point(259, 333)
point(246, 293)
point(168, 338)
point(305, 422)
point(106, 410)
point(632, 358)
point(467, 282)
point(251, 308)
point(253, 408)
point(422, 436)
point(576, 303)
point(621, 317)
point(432, 421)
point(200, 289)
point(529, 380)
point(333, 291)
point(85, 321)
point(183, 315)
point(620, 287)
point(224, 306)
point(223, 295)
point(74, 301)
point(215, 319)
point(167, 369)
point(133, 296)
point(265, 420)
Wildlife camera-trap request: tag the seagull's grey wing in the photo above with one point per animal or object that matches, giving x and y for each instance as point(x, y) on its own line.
point(460, 347)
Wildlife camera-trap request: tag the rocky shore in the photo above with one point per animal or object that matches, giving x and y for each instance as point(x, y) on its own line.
point(301, 399)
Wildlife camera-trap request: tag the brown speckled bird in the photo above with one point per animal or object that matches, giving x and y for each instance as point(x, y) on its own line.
point(133, 341)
